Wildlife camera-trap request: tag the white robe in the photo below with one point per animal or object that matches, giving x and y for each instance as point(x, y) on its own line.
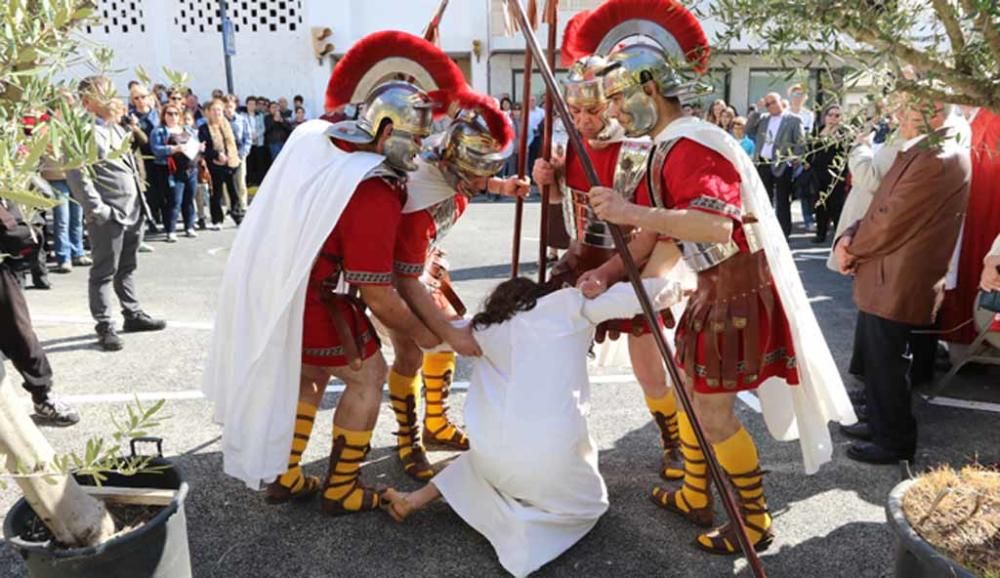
point(529, 482)
point(254, 361)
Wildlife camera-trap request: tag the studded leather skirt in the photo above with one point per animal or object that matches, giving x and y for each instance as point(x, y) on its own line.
point(734, 333)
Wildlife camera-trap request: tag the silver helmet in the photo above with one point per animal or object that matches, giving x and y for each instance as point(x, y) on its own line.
point(409, 109)
point(583, 85)
point(643, 40)
point(477, 142)
point(390, 73)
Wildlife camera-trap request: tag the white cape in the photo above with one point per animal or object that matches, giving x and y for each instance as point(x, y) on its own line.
point(790, 411)
point(252, 372)
point(426, 187)
point(529, 482)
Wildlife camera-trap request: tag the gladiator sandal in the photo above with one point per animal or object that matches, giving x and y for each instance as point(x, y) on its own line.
point(672, 467)
point(344, 493)
point(693, 500)
point(679, 501)
point(293, 485)
point(408, 447)
point(754, 513)
point(438, 370)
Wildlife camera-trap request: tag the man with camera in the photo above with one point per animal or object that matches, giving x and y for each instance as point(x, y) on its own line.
point(18, 341)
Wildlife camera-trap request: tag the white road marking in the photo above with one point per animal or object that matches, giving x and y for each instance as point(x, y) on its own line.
point(53, 320)
point(965, 404)
point(215, 250)
point(820, 299)
point(750, 399)
point(337, 386)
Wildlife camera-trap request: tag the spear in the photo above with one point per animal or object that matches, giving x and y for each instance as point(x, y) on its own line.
point(431, 33)
point(551, 17)
point(666, 353)
point(522, 145)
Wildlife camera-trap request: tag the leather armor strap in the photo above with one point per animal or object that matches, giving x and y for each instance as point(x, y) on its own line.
point(351, 342)
point(725, 308)
point(436, 278)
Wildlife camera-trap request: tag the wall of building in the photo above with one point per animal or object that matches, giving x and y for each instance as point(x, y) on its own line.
point(274, 54)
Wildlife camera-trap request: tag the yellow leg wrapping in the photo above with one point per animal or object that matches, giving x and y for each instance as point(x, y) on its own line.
point(695, 467)
point(738, 457)
point(664, 412)
point(305, 415)
point(343, 485)
point(438, 370)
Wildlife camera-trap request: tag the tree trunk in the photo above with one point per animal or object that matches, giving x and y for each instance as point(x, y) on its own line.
point(74, 518)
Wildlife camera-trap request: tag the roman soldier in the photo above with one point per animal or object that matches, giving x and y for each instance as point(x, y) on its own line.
point(455, 166)
point(735, 333)
point(621, 163)
point(307, 263)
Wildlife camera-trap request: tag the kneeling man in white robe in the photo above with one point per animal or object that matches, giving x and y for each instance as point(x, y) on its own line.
point(530, 483)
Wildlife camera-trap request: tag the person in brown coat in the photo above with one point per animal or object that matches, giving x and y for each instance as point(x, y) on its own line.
point(899, 254)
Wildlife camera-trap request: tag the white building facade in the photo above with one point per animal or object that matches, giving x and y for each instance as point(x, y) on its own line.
point(274, 45)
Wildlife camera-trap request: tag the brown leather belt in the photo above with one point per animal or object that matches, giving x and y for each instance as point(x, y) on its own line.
point(436, 277)
point(726, 307)
point(352, 342)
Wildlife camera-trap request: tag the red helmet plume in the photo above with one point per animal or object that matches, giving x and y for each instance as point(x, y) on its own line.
point(673, 17)
point(568, 55)
point(388, 54)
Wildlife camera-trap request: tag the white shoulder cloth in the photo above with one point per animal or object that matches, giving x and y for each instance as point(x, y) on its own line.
point(254, 361)
point(790, 411)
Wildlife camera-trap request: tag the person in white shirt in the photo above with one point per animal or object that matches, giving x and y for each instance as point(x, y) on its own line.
point(801, 179)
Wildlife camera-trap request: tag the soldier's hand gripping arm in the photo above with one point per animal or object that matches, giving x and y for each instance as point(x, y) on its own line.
point(417, 296)
point(393, 312)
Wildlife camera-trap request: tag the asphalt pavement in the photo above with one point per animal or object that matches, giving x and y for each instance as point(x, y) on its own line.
point(828, 525)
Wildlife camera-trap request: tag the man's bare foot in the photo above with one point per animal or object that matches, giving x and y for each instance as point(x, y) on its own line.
point(397, 505)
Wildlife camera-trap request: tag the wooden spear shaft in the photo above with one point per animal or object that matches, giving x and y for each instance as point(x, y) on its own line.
point(715, 470)
point(522, 161)
point(543, 235)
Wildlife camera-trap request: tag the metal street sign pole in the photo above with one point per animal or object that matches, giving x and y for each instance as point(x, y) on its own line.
point(228, 44)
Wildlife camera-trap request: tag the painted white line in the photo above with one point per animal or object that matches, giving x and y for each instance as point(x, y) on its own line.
point(187, 394)
point(52, 320)
point(820, 299)
point(750, 399)
point(215, 251)
point(965, 404)
point(336, 386)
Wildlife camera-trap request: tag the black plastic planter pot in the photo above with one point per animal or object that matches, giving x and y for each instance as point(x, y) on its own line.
point(157, 549)
point(915, 558)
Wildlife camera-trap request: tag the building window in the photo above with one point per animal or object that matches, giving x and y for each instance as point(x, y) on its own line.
point(247, 15)
point(537, 84)
point(765, 80)
point(718, 79)
point(118, 17)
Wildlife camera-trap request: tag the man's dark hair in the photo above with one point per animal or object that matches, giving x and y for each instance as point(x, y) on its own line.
point(510, 298)
point(298, 98)
point(298, 108)
point(249, 98)
point(132, 83)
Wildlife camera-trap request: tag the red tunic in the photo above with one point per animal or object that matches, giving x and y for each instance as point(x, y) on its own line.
point(419, 233)
point(420, 230)
point(697, 178)
point(605, 161)
point(364, 251)
point(982, 225)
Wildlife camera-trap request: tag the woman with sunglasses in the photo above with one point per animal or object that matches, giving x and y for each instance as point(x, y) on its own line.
point(829, 169)
point(170, 145)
